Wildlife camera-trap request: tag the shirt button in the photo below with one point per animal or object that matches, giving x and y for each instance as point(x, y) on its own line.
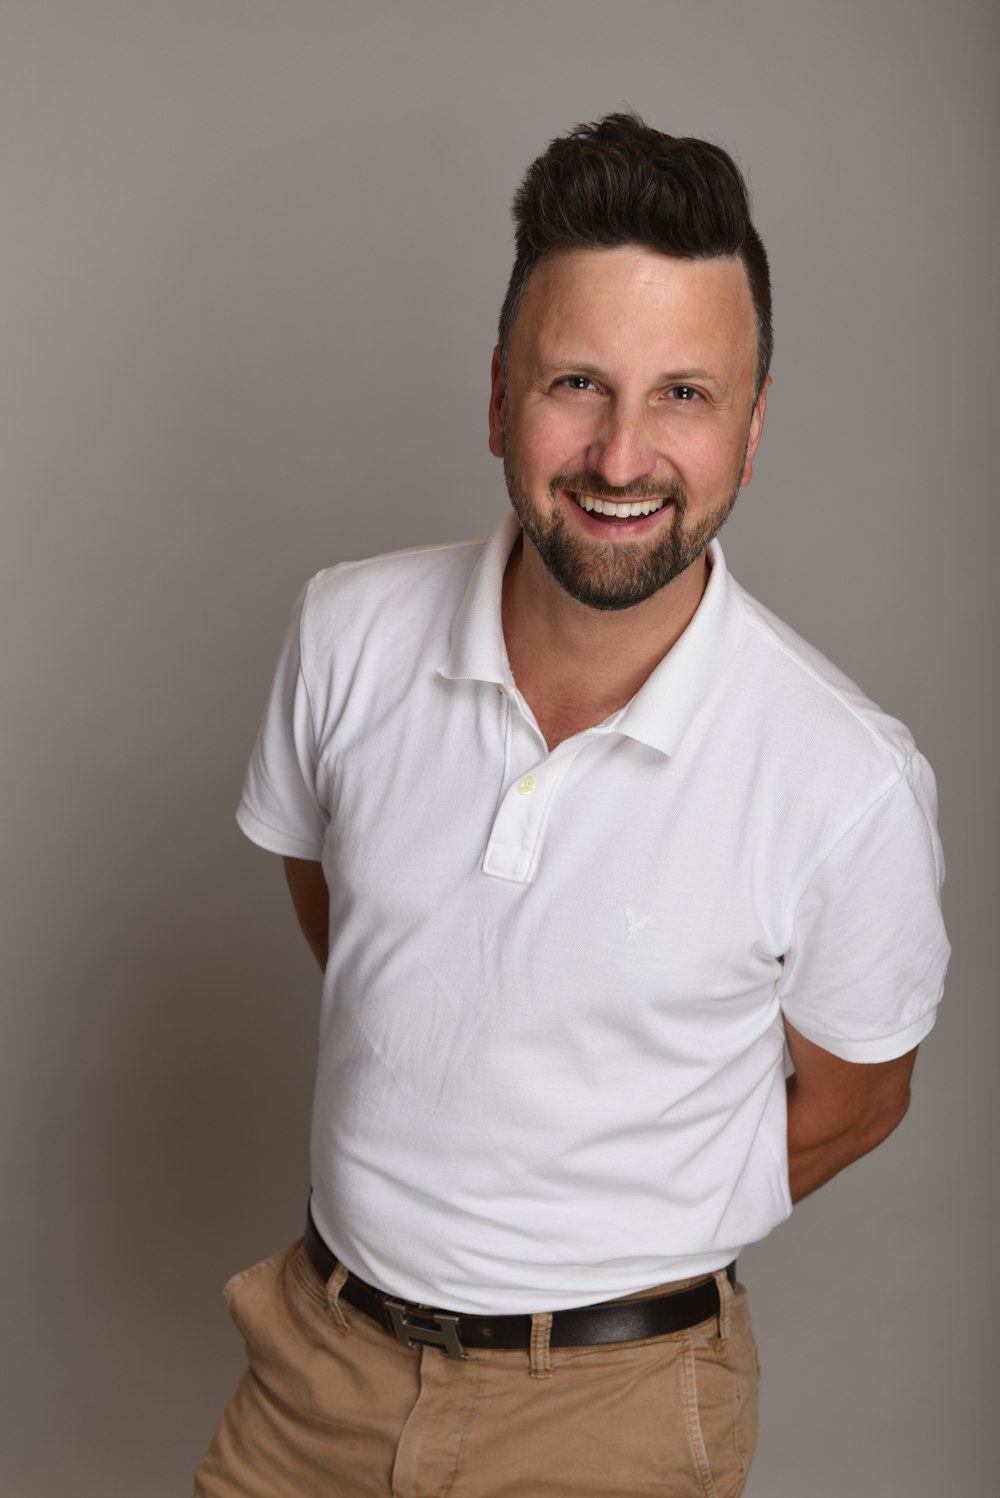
point(527, 785)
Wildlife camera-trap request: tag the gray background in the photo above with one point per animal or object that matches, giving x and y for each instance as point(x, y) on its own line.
point(252, 257)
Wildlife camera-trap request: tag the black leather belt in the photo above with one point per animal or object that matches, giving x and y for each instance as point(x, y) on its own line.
point(587, 1326)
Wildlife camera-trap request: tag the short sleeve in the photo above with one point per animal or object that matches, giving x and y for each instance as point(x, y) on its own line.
point(866, 967)
point(280, 809)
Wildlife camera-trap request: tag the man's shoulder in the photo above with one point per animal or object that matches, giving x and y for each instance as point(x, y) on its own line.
point(802, 691)
point(398, 591)
point(371, 578)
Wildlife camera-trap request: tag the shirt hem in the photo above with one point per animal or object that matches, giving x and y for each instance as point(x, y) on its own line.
point(874, 1049)
point(273, 840)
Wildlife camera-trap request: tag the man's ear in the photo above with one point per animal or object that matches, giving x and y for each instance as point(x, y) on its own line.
point(756, 428)
point(498, 395)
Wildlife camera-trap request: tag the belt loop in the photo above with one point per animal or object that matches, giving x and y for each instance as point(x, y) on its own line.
point(334, 1285)
point(725, 1303)
point(540, 1352)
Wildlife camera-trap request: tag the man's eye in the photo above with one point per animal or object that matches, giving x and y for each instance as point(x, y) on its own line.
point(577, 382)
point(685, 393)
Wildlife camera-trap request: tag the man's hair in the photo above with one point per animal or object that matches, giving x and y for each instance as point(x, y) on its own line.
point(619, 182)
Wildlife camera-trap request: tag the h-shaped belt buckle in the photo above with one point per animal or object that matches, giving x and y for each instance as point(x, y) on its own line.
point(443, 1334)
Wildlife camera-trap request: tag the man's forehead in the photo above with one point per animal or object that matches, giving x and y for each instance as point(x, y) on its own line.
point(628, 291)
point(578, 269)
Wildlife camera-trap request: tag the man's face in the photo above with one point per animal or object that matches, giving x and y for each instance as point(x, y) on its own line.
point(630, 381)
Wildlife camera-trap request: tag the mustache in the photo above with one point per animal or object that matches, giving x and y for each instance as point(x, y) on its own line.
point(588, 482)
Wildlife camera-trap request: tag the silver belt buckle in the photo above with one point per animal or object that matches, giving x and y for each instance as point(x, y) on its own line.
point(443, 1334)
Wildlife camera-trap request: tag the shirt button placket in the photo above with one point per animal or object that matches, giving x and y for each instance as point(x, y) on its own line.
point(516, 830)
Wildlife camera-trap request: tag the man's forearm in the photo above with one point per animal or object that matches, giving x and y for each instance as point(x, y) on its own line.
point(312, 904)
point(838, 1110)
point(820, 1144)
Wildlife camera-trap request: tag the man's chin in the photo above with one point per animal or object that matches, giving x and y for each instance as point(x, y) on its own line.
point(610, 584)
point(614, 574)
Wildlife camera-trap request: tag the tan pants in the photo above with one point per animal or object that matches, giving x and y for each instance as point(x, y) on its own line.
point(331, 1406)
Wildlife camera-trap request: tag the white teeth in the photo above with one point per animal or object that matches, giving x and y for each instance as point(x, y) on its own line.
point(619, 511)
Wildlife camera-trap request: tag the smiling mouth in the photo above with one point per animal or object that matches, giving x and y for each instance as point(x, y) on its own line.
point(618, 510)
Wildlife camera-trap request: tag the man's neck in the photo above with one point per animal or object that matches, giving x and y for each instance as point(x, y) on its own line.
point(575, 665)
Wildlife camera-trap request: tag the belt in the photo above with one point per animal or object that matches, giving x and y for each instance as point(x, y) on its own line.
point(585, 1326)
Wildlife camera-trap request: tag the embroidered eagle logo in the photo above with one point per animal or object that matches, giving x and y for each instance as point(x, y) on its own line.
point(635, 923)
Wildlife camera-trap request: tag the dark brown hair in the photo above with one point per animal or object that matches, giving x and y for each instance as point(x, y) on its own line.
point(618, 182)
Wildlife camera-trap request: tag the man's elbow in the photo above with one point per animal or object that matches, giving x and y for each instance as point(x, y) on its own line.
point(876, 1127)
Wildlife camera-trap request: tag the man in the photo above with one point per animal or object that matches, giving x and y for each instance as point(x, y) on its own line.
point(581, 836)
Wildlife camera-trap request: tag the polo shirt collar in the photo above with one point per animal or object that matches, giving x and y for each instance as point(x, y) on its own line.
point(666, 704)
point(477, 651)
point(673, 694)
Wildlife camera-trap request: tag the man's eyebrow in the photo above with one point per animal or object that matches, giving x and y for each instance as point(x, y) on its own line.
point(685, 377)
point(567, 366)
point(669, 377)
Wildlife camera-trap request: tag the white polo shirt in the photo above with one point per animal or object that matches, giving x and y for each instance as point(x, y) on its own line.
point(550, 1058)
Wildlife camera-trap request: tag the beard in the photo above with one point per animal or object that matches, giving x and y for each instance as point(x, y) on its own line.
point(616, 575)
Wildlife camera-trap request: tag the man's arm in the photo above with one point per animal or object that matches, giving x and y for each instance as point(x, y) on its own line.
point(838, 1110)
point(311, 899)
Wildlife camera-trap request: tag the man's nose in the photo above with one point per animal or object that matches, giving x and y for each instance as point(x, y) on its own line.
point(623, 448)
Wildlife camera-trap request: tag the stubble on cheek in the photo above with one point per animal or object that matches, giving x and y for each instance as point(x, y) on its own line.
point(616, 574)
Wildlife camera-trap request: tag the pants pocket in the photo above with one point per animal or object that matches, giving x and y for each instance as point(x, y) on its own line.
point(274, 1434)
point(721, 1383)
point(233, 1289)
